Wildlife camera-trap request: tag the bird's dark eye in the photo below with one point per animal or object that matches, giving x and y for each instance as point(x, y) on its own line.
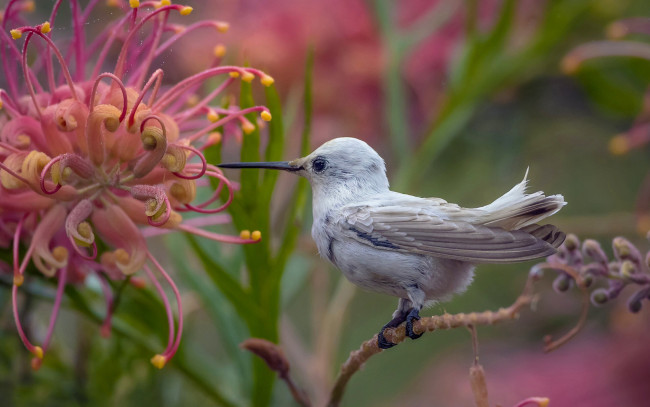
point(319, 164)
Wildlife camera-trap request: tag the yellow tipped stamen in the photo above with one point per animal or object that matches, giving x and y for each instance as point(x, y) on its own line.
point(248, 127)
point(267, 80)
point(168, 160)
point(174, 159)
point(151, 137)
point(150, 207)
point(122, 256)
point(55, 171)
point(38, 352)
point(219, 51)
point(212, 116)
point(234, 74)
point(543, 401)
point(65, 174)
point(15, 163)
point(15, 34)
point(23, 141)
point(19, 279)
point(161, 211)
point(247, 77)
point(36, 363)
point(138, 282)
point(256, 235)
point(113, 3)
point(570, 64)
point(159, 361)
point(185, 11)
point(183, 190)
point(33, 165)
point(266, 116)
point(245, 234)
point(618, 145)
point(214, 138)
point(29, 6)
point(192, 100)
point(222, 27)
point(174, 220)
point(616, 30)
point(165, 2)
point(45, 27)
point(134, 3)
point(86, 231)
point(1, 104)
point(60, 254)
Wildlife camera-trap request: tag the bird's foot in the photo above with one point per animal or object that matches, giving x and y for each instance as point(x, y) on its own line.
point(413, 315)
point(382, 342)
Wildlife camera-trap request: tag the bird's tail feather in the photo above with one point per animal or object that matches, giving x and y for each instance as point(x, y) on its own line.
point(548, 233)
point(515, 209)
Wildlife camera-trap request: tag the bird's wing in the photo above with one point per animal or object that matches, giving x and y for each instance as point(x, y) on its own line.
point(411, 227)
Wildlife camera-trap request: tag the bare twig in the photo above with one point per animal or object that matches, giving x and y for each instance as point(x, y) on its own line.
point(549, 343)
point(426, 324)
point(274, 357)
point(477, 374)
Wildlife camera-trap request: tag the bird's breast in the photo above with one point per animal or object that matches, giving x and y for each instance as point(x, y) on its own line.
point(323, 235)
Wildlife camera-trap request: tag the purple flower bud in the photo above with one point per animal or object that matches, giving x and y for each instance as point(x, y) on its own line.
point(634, 303)
point(599, 297)
point(634, 306)
point(624, 250)
point(562, 283)
point(572, 242)
point(591, 248)
point(627, 269)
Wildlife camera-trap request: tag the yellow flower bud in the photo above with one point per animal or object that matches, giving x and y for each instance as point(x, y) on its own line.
point(159, 361)
point(45, 27)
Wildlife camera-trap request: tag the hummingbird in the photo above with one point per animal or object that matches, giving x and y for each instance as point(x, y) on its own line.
point(421, 250)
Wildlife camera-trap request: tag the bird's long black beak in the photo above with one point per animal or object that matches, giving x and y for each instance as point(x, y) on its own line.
point(270, 165)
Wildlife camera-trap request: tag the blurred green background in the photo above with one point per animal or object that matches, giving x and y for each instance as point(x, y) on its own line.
point(459, 97)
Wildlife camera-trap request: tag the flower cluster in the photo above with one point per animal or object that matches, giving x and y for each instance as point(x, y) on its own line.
point(628, 267)
point(87, 157)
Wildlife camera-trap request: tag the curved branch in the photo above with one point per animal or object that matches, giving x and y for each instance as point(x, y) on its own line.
point(426, 324)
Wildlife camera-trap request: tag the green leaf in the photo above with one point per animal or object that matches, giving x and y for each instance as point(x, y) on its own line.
point(231, 329)
point(250, 149)
point(226, 284)
point(299, 201)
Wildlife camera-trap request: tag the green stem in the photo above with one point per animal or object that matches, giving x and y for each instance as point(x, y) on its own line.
point(79, 303)
point(394, 95)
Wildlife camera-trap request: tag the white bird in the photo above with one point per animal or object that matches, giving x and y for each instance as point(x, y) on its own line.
point(422, 250)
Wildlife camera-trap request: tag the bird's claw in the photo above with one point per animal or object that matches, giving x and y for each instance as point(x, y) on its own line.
point(414, 315)
point(382, 342)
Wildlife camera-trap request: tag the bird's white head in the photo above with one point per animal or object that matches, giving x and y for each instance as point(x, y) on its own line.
point(343, 165)
point(340, 170)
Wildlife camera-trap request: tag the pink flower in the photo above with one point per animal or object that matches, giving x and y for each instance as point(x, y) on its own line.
point(88, 158)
